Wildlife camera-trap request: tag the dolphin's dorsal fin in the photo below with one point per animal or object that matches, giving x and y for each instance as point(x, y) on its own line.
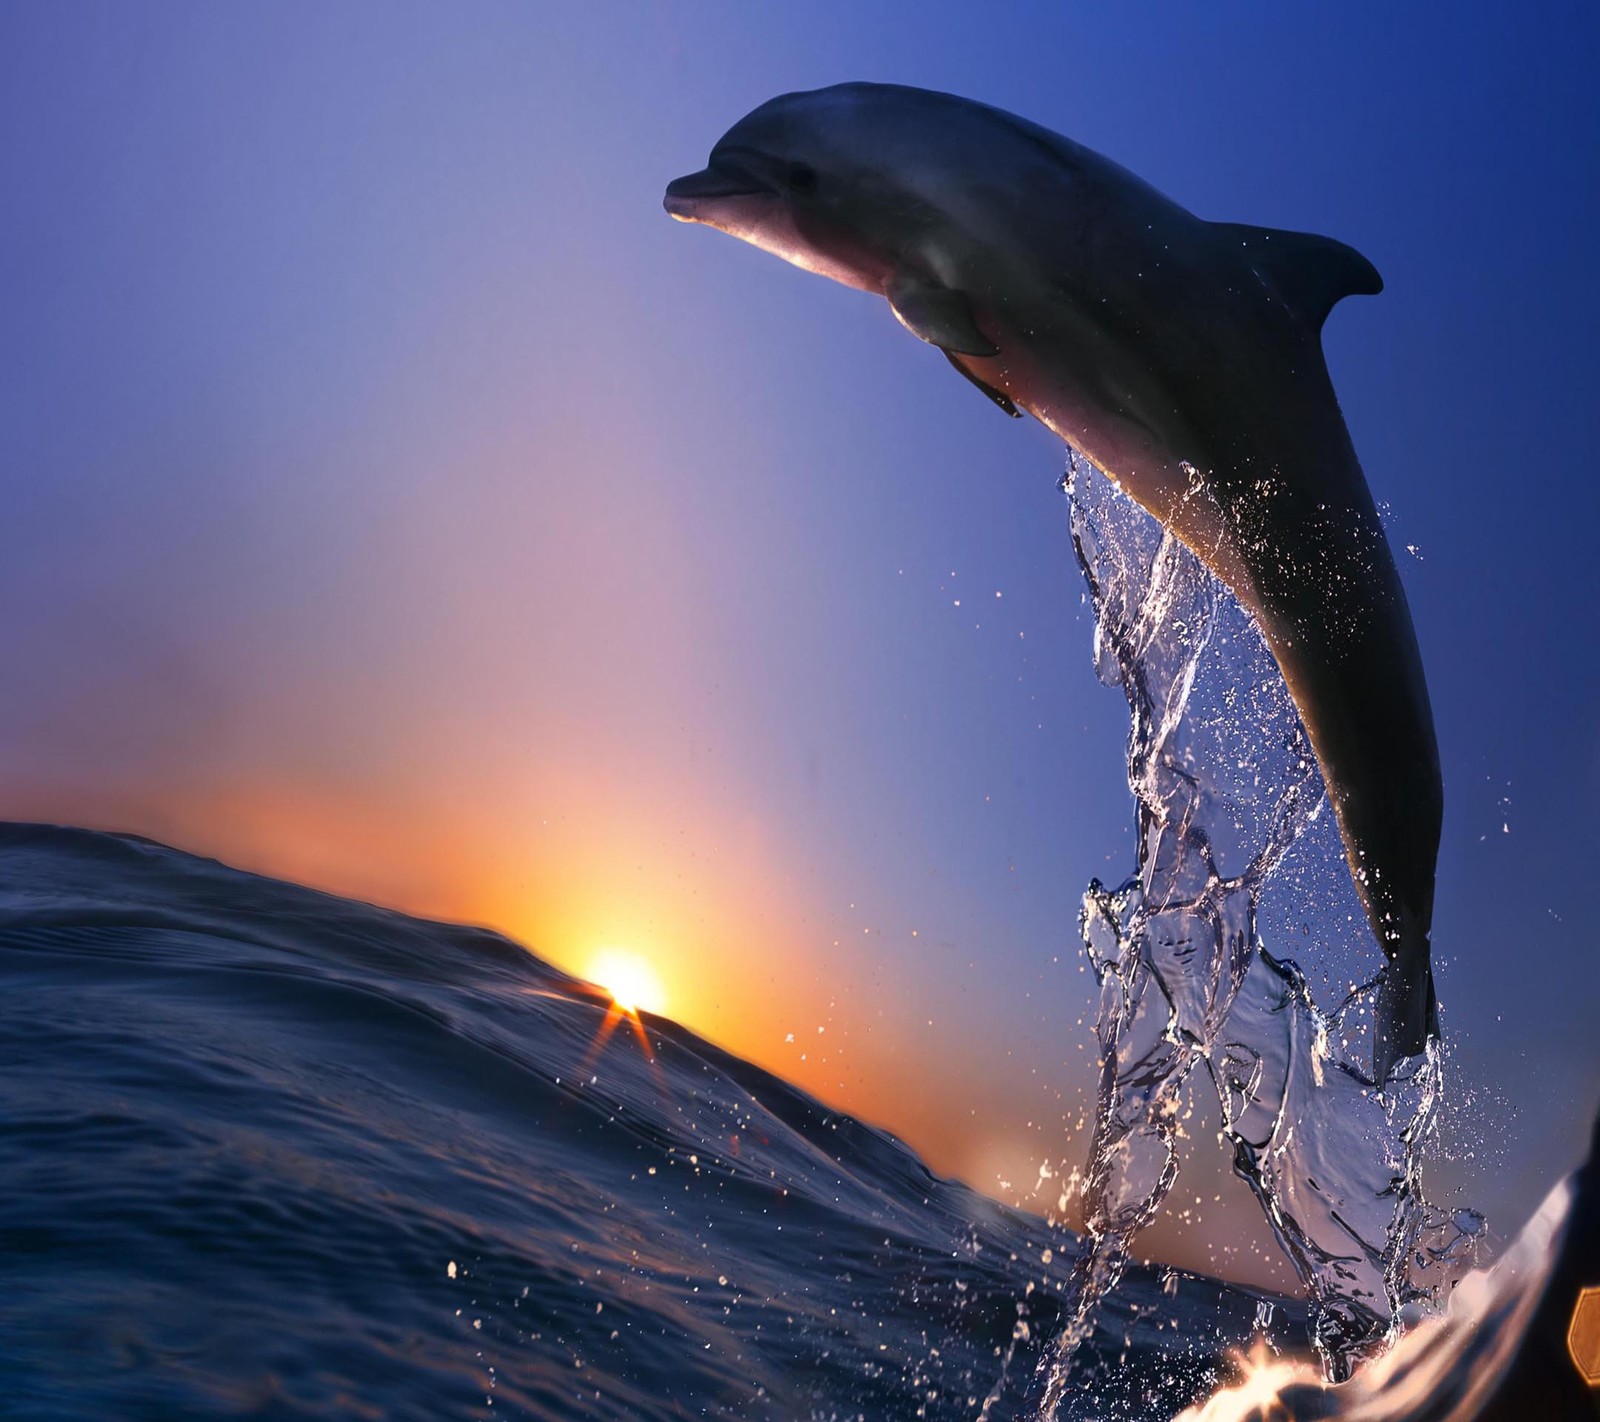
point(1308, 274)
point(937, 314)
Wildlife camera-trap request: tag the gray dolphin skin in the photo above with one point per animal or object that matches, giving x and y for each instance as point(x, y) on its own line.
point(1183, 357)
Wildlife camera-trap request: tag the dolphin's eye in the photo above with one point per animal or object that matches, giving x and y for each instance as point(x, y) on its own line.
point(802, 177)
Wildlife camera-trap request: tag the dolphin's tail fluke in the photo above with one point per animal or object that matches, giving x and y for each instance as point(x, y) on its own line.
point(1407, 1012)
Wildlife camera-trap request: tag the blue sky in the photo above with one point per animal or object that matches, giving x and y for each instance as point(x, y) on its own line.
point(397, 500)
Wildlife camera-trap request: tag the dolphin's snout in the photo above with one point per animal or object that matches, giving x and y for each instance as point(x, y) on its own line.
point(687, 197)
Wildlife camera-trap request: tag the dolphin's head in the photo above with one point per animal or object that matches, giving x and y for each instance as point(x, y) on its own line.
point(821, 179)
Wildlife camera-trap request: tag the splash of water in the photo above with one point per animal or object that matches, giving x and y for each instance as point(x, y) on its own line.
point(1230, 805)
point(1444, 1370)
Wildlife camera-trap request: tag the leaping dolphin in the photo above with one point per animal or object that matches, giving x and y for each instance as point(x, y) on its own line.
point(1184, 358)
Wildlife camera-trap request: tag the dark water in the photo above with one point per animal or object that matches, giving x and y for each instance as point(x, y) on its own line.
point(267, 1153)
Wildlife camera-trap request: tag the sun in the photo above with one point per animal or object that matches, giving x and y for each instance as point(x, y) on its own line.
point(629, 978)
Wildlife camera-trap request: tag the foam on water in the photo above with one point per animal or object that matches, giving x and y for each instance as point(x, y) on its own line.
point(1234, 831)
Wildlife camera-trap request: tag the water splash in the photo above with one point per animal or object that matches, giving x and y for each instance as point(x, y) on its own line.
point(1444, 1370)
point(1230, 805)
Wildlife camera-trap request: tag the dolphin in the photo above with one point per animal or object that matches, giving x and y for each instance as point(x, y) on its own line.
point(1183, 357)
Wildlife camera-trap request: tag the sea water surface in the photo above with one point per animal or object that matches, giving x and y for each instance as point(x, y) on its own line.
point(267, 1153)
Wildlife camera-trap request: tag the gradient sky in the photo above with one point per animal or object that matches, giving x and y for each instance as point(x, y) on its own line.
point(394, 499)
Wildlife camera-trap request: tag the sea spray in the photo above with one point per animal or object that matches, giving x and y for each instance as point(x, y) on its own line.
point(1227, 792)
point(1483, 1348)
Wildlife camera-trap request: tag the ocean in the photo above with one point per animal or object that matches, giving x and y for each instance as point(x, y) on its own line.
point(267, 1153)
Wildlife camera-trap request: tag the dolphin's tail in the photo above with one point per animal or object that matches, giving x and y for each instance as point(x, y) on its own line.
point(1407, 1012)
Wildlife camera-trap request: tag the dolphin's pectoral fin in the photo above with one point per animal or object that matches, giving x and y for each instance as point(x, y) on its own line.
point(999, 397)
point(939, 315)
point(1309, 274)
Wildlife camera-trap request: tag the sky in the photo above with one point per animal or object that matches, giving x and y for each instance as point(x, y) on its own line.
point(394, 499)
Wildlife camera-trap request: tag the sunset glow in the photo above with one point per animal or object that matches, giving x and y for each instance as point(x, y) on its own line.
point(629, 978)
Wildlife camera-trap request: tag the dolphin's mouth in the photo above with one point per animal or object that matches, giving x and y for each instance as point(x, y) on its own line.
point(688, 196)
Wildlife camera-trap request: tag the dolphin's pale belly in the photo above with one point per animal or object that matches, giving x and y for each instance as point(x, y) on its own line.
point(1116, 413)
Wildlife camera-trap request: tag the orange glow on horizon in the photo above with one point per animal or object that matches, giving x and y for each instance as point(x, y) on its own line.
point(731, 935)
